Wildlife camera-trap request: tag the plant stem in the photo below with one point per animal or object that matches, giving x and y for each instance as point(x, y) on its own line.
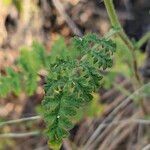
point(143, 40)
point(111, 33)
point(116, 24)
point(112, 13)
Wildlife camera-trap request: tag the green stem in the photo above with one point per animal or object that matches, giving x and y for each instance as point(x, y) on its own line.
point(111, 33)
point(116, 24)
point(115, 21)
point(143, 40)
point(112, 13)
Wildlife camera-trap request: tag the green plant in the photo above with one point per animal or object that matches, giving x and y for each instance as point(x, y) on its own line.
point(26, 77)
point(25, 74)
point(71, 82)
point(75, 72)
point(74, 75)
point(129, 45)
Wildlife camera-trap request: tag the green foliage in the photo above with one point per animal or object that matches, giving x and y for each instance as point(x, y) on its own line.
point(75, 72)
point(9, 83)
point(28, 64)
point(122, 63)
point(94, 108)
point(71, 82)
point(60, 49)
point(26, 78)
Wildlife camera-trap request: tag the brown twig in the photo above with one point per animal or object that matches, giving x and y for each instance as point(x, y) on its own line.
point(66, 17)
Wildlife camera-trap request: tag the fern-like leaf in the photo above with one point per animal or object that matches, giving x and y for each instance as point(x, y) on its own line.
point(71, 82)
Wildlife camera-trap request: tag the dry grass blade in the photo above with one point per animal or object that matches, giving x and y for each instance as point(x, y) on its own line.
point(66, 17)
point(111, 115)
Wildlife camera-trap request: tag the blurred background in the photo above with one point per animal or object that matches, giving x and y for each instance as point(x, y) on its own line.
point(45, 21)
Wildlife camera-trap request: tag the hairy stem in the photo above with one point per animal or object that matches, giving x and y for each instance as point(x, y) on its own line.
point(112, 13)
point(116, 24)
